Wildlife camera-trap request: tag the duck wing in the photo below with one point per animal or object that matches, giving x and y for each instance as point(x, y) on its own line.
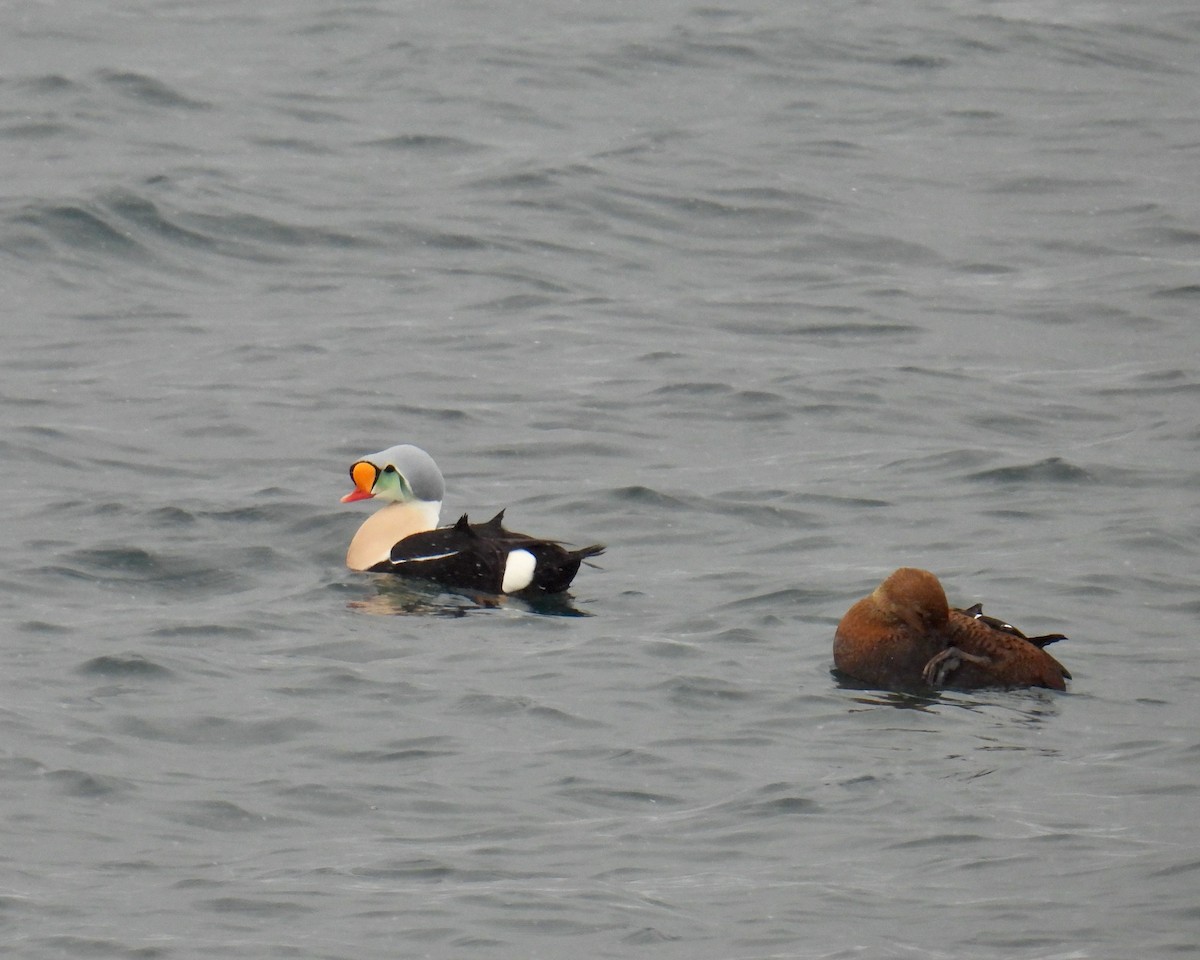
point(995, 657)
point(976, 611)
point(452, 556)
point(487, 557)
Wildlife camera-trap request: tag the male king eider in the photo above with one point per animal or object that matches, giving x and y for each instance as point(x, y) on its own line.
point(906, 635)
point(403, 537)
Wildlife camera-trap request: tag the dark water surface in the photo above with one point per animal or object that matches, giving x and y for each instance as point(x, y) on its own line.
point(771, 298)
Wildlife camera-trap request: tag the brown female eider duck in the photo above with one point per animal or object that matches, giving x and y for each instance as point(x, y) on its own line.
point(905, 635)
point(403, 536)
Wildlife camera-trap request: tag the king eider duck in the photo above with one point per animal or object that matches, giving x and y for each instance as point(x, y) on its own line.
point(906, 635)
point(403, 536)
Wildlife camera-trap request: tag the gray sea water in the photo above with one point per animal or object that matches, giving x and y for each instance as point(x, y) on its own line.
point(771, 298)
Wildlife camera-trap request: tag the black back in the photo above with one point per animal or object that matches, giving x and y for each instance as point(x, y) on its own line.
point(473, 556)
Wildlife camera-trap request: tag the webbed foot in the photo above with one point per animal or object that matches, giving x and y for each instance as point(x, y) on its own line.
point(942, 665)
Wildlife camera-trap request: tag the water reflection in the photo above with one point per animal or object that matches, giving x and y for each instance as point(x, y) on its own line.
point(398, 596)
point(1032, 704)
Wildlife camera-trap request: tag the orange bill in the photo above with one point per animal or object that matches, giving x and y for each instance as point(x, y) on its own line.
point(364, 475)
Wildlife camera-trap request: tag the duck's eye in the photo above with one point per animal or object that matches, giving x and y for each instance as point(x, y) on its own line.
point(389, 469)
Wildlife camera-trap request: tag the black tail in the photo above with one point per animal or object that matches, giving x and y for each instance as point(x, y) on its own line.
point(584, 552)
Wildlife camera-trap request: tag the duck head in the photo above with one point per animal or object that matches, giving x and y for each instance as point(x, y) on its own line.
point(913, 597)
point(400, 474)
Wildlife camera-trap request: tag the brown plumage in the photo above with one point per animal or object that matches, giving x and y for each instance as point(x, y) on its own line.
point(906, 635)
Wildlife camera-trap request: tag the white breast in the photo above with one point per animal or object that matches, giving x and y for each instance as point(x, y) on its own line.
point(373, 542)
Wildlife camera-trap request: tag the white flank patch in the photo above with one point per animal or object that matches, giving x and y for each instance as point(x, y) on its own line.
point(518, 571)
point(436, 556)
